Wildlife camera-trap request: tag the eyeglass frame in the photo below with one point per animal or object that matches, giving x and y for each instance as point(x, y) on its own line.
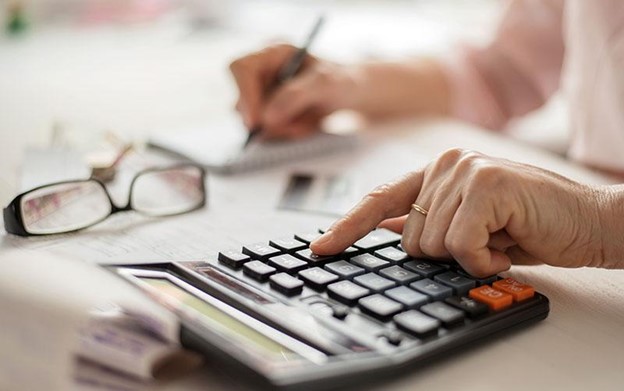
point(14, 220)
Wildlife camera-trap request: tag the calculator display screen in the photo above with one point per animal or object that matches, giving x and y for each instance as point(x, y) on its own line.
point(221, 321)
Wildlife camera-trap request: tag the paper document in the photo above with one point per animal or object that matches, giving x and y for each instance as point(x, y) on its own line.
point(219, 147)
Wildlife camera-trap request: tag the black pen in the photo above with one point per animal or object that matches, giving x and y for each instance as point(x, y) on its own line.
point(289, 70)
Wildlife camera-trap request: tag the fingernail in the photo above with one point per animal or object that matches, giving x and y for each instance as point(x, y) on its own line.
point(324, 239)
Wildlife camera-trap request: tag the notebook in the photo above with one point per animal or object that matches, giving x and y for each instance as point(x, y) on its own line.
point(219, 147)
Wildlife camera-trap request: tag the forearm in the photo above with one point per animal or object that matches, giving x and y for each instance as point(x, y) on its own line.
point(395, 89)
point(611, 205)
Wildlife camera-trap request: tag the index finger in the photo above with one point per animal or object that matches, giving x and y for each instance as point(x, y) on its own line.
point(390, 200)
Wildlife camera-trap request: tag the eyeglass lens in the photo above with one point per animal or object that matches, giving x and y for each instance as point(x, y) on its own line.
point(64, 207)
point(168, 192)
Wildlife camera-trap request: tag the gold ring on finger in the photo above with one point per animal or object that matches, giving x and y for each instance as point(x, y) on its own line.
point(420, 209)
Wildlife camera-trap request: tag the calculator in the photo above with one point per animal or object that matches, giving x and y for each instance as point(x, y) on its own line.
point(280, 317)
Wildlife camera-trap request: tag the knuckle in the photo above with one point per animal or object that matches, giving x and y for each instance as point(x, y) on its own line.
point(286, 95)
point(451, 155)
point(378, 198)
point(467, 161)
point(380, 194)
point(462, 253)
point(487, 174)
point(457, 246)
point(238, 64)
point(447, 160)
point(411, 245)
point(430, 245)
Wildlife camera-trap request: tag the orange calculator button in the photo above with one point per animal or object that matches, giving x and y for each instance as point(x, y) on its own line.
point(518, 290)
point(494, 299)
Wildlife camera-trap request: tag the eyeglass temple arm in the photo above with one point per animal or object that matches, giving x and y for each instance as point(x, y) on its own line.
point(12, 222)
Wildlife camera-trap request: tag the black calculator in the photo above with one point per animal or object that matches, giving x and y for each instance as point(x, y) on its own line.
point(281, 317)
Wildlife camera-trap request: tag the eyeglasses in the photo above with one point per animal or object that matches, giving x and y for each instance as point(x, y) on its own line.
point(73, 205)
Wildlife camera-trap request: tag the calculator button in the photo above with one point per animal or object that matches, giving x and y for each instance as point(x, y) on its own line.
point(286, 284)
point(369, 262)
point(460, 284)
point(287, 263)
point(349, 252)
point(344, 269)
point(313, 259)
point(423, 268)
point(321, 308)
point(417, 323)
point(378, 238)
point(317, 278)
point(449, 316)
point(400, 275)
point(260, 251)
point(392, 254)
point(307, 237)
point(379, 306)
point(340, 311)
point(233, 259)
point(374, 282)
point(408, 297)
point(480, 281)
point(393, 337)
point(518, 290)
point(288, 244)
point(258, 270)
point(433, 289)
point(494, 299)
point(346, 292)
point(471, 307)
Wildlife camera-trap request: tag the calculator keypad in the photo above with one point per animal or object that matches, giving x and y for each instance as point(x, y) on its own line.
point(375, 278)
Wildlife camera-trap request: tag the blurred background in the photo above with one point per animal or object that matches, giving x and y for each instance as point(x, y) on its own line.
point(136, 66)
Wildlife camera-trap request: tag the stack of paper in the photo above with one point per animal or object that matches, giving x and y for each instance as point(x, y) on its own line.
point(55, 310)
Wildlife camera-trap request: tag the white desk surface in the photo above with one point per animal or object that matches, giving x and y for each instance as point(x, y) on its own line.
point(579, 346)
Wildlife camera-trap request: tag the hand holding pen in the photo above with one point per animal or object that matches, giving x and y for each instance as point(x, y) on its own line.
point(285, 92)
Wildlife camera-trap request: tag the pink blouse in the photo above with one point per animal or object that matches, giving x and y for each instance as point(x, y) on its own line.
point(540, 46)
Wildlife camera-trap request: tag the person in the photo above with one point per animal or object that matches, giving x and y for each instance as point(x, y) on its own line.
point(485, 212)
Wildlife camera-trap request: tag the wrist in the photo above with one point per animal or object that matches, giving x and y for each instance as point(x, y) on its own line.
point(397, 89)
point(350, 91)
point(610, 203)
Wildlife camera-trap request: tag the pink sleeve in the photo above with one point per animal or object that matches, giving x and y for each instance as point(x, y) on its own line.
point(517, 72)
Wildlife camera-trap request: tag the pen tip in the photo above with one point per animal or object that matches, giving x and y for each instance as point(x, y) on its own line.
point(253, 132)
